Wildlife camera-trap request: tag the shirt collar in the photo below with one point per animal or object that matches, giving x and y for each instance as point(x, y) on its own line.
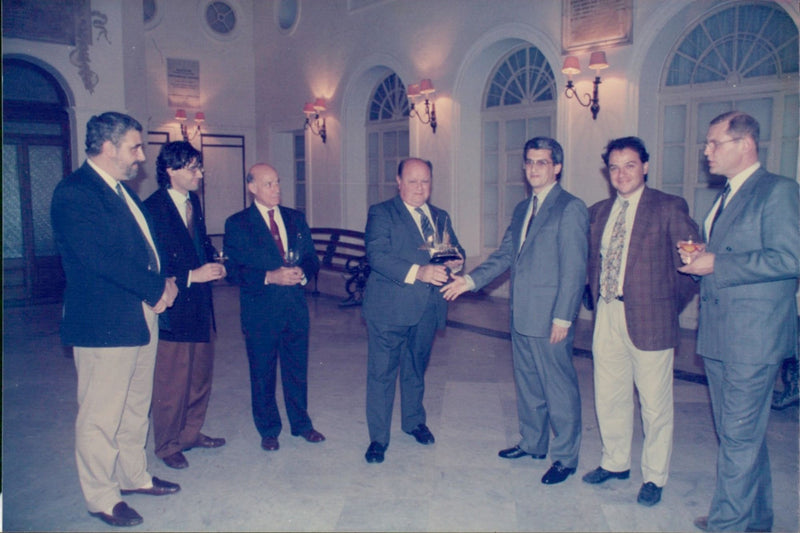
point(738, 180)
point(108, 178)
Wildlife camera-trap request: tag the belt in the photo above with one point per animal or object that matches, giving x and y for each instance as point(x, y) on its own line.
point(621, 298)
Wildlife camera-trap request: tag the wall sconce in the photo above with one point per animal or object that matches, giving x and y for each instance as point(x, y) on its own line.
point(199, 118)
point(597, 62)
point(312, 112)
point(423, 89)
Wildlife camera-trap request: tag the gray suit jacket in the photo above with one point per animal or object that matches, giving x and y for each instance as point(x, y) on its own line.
point(394, 243)
point(748, 311)
point(548, 274)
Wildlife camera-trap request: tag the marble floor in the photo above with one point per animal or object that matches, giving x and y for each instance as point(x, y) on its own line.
point(457, 484)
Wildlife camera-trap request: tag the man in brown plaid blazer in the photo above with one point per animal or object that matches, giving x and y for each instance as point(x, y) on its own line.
point(638, 295)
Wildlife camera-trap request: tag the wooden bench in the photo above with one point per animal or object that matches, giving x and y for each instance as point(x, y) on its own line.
point(343, 250)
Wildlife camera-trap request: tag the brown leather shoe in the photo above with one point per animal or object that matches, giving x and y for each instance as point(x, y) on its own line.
point(270, 444)
point(159, 488)
point(121, 516)
point(312, 435)
point(177, 460)
point(204, 441)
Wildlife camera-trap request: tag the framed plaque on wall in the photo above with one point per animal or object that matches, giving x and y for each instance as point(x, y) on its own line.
point(595, 24)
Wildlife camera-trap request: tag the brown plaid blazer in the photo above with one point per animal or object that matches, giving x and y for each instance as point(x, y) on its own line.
point(654, 291)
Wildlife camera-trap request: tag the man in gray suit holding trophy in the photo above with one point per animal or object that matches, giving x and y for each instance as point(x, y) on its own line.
point(748, 315)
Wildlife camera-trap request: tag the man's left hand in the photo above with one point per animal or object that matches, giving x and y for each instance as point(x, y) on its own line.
point(701, 264)
point(558, 333)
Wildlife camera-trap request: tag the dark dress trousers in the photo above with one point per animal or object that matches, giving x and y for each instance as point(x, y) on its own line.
point(402, 318)
point(274, 317)
point(185, 359)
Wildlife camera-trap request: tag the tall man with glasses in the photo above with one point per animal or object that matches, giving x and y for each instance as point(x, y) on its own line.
point(545, 247)
point(185, 359)
point(638, 295)
point(748, 315)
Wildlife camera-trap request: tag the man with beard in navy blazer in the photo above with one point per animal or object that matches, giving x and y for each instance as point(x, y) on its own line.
point(115, 290)
point(545, 247)
point(271, 257)
point(402, 305)
point(185, 358)
point(748, 273)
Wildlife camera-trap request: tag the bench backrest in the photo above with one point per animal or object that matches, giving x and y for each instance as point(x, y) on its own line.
point(335, 246)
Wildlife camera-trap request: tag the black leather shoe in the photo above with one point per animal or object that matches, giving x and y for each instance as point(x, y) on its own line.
point(312, 435)
point(422, 434)
point(601, 475)
point(270, 444)
point(516, 452)
point(701, 523)
point(649, 494)
point(375, 452)
point(159, 488)
point(204, 441)
point(121, 516)
point(557, 474)
point(177, 460)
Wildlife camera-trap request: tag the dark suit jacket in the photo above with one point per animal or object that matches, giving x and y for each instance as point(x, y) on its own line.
point(105, 259)
point(747, 305)
point(655, 292)
point(252, 252)
point(394, 243)
point(190, 317)
point(548, 274)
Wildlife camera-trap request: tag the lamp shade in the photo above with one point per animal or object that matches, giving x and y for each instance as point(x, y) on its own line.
point(571, 66)
point(426, 86)
point(413, 90)
point(180, 114)
point(597, 61)
point(200, 117)
point(308, 109)
point(319, 104)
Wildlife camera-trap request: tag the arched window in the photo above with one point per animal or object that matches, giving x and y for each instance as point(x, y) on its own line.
point(519, 104)
point(742, 56)
point(387, 137)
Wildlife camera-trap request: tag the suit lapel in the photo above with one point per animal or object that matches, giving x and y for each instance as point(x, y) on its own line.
point(641, 222)
point(543, 211)
point(262, 232)
point(735, 206)
point(408, 220)
point(291, 228)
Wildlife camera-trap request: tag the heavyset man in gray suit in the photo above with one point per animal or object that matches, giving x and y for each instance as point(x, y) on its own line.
point(748, 315)
point(402, 306)
point(545, 246)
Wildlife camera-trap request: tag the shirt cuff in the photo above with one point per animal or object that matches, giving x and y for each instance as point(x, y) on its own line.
point(562, 323)
point(470, 282)
point(189, 280)
point(411, 277)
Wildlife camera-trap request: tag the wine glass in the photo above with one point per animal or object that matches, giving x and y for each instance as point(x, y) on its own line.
point(220, 257)
point(292, 257)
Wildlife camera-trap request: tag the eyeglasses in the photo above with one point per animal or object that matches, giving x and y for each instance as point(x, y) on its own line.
point(195, 168)
point(713, 145)
point(538, 163)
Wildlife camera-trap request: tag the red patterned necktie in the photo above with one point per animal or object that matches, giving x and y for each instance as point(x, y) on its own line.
point(276, 234)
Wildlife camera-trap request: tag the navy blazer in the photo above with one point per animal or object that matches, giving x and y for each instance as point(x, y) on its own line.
point(105, 259)
point(548, 274)
point(252, 252)
point(190, 317)
point(748, 308)
point(394, 243)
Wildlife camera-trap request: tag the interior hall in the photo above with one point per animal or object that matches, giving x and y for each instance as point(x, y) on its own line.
point(334, 94)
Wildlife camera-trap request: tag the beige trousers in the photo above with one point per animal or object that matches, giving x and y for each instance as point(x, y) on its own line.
point(114, 391)
point(618, 366)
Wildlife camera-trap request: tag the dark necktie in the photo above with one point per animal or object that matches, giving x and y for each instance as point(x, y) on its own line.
point(425, 224)
point(276, 234)
point(722, 197)
point(152, 262)
point(530, 221)
point(190, 217)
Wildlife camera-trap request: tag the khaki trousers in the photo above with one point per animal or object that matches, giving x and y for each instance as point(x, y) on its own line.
point(618, 366)
point(114, 390)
